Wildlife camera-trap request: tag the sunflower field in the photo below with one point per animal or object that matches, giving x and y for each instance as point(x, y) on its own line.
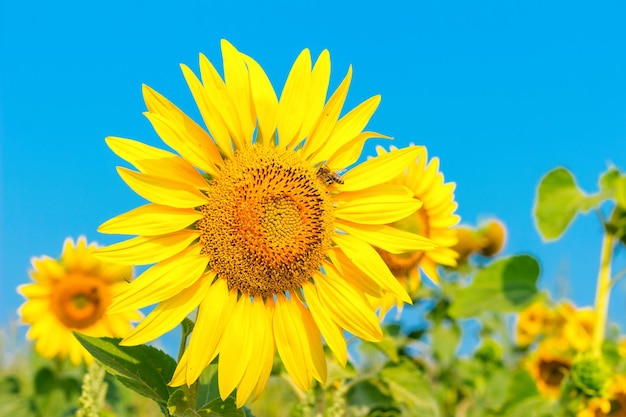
point(288, 258)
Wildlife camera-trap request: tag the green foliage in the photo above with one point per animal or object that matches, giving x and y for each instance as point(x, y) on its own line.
point(558, 201)
point(505, 286)
point(144, 369)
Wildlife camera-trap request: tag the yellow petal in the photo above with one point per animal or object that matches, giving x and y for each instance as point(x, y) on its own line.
point(34, 290)
point(349, 153)
point(146, 250)
point(238, 86)
point(162, 191)
point(169, 313)
point(370, 262)
point(347, 307)
point(291, 342)
point(387, 238)
point(263, 356)
point(351, 273)
point(180, 373)
point(161, 281)
point(293, 100)
point(210, 114)
point(157, 162)
point(320, 76)
point(327, 120)
point(264, 98)
point(376, 205)
point(219, 100)
point(46, 269)
point(151, 220)
point(236, 347)
point(190, 140)
point(33, 309)
point(267, 351)
point(331, 332)
point(380, 169)
point(213, 316)
point(348, 127)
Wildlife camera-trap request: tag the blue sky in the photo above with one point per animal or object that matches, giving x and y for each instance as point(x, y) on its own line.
point(501, 92)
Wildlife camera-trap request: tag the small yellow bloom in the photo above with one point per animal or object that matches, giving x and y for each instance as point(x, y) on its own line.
point(72, 294)
point(252, 223)
point(488, 239)
point(434, 220)
point(548, 366)
point(575, 326)
point(535, 320)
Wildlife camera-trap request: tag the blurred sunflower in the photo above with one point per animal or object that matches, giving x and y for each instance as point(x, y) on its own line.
point(72, 294)
point(548, 366)
point(613, 405)
point(252, 224)
point(434, 220)
point(535, 320)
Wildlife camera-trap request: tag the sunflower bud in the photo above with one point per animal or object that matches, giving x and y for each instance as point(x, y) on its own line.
point(494, 234)
point(590, 374)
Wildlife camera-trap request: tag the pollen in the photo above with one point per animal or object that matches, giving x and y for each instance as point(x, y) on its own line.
point(80, 301)
point(269, 221)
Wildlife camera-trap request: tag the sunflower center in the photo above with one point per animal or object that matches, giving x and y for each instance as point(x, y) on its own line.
point(80, 301)
point(552, 371)
point(401, 264)
point(269, 222)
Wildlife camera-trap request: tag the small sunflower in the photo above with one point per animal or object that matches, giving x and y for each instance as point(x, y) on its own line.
point(251, 224)
point(548, 366)
point(434, 220)
point(535, 320)
point(72, 294)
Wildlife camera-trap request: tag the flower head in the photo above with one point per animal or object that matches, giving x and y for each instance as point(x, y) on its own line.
point(535, 320)
point(72, 293)
point(435, 219)
point(251, 223)
point(549, 366)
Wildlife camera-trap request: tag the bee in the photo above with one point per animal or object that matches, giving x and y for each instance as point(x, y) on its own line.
point(327, 176)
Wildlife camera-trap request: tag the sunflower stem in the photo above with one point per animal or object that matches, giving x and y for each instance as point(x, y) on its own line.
point(603, 290)
point(187, 327)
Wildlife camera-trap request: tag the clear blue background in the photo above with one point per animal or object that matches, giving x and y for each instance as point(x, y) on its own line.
point(502, 92)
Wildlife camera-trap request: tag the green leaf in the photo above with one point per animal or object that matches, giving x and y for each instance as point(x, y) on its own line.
point(182, 403)
point(557, 202)
point(144, 369)
point(608, 180)
point(410, 390)
point(445, 339)
point(532, 407)
point(505, 286)
point(227, 408)
point(45, 381)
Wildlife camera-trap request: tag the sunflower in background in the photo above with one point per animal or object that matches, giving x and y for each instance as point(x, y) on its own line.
point(251, 224)
point(549, 365)
point(72, 293)
point(435, 219)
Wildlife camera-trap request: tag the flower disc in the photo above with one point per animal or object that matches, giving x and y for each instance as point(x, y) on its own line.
point(268, 222)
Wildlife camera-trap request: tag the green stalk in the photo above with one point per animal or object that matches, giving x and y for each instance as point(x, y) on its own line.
point(603, 290)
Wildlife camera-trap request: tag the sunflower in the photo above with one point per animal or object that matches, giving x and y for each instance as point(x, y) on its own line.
point(535, 320)
point(549, 366)
point(72, 294)
point(251, 223)
point(434, 220)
